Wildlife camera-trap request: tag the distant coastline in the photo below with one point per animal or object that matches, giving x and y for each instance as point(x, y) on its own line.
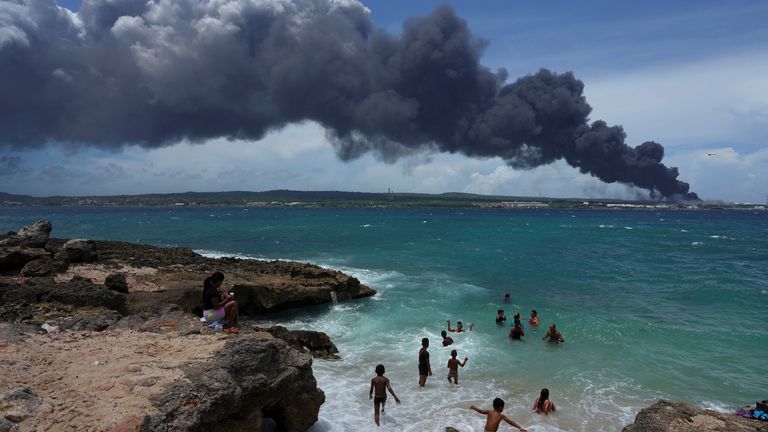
point(340, 199)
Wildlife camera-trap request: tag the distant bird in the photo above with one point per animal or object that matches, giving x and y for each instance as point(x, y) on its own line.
point(711, 154)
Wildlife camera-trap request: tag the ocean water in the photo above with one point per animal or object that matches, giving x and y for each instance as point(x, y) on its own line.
point(651, 304)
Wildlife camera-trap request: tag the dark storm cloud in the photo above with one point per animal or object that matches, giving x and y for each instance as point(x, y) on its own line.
point(155, 72)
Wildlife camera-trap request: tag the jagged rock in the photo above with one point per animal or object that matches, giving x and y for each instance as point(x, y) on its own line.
point(117, 282)
point(77, 292)
point(669, 416)
point(248, 380)
point(33, 236)
point(15, 258)
point(92, 320)
point(6, 426)
point(318, 344)
point(450, 429)
point(18, 404)
point(77, 251)
point(43, 266)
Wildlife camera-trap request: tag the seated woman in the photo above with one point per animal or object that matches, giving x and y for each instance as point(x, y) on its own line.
point(218, 305)
point(543, 405)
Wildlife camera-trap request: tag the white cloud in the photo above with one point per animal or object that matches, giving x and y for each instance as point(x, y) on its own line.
point(726, 174)
point(712, 101)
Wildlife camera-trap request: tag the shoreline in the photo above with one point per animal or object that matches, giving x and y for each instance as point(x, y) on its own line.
point(183, 256)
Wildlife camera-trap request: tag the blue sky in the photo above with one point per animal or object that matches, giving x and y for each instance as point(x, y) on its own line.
point(688, 75)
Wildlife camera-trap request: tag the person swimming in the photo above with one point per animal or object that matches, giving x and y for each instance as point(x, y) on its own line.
point(534, 321)
point(500, 318)
point(447, 340)
point(553, 335)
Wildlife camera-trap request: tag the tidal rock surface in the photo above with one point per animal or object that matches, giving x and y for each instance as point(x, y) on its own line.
point(670, 416)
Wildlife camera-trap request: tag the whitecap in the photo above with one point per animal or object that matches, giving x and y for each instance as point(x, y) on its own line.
point(365, 226)
point(628, 228)
point(683, 230)
point(697, 243)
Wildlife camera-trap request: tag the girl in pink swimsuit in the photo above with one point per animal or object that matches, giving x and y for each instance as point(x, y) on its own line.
point(543, 405)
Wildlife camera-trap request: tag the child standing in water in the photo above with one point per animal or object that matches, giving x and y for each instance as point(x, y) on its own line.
point(494, 417)
point(447, 340)
point(424, 368)
point(453, 367)
point(378, 392)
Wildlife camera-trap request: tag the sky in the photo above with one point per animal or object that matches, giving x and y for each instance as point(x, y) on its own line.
point(690, 76)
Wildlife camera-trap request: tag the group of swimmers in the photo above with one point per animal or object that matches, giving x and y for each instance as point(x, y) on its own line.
point(542, 405)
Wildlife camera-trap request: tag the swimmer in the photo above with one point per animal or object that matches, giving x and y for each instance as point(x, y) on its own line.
point(500, 318)
point(543, 405)
point(494, 417)
point(453, 367)
point(459, 327)
point(507, 298)
point(447, 340)
point(553, 335)
point(534, 321)
point(517, 332)
point(380, 384)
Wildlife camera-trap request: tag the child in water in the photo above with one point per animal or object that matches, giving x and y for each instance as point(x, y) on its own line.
point(459, 327)
point(447, 340)
point(543, 405)
point(494, 417)
point(534, 321)
point(500, 318)
point(517, 332)
point(424, 368)
point(553, 335)
point(378, 392)
point(453, 367)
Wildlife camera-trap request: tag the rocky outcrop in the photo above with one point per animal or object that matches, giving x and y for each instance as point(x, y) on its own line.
point(14, 258)
point(32, 236)
point(318, 344)
point(77, 292)
point(117, 282)
point(669, 416)
point(76, 251)
point(249, 380)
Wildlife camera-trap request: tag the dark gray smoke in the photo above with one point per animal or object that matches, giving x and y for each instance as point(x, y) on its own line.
point(156, 72)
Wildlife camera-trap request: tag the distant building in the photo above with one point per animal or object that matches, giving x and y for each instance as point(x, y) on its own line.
point(524, 204)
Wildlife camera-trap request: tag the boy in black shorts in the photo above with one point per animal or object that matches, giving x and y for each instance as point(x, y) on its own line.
point(380, 384)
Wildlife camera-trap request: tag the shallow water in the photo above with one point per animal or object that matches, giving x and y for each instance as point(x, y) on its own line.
point(652, 304)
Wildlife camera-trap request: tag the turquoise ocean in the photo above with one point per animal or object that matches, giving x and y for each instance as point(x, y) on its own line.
point(651, 304)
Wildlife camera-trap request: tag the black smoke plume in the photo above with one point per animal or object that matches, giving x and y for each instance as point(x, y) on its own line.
point(155, 72)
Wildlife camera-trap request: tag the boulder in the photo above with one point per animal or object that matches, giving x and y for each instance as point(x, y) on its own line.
point(77, 292)
point(669, 416)
point(318, 344)
point(117, 282)
point(77, 251)
point(96, 320)
point(18, 404)
point(248, 380)
point(43, 266)
point(14, 258)
point(33, 236)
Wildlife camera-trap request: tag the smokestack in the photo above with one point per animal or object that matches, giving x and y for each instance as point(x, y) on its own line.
point(153, 73)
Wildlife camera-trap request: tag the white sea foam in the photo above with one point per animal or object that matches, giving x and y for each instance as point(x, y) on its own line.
point(697, 243)
point(683, 230)
point(628, 228)
point(365, 226)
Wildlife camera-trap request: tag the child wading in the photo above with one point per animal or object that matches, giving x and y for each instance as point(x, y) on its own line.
point(453, 367)
point(378, 392)
point(494, 417)
point(424, 368)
